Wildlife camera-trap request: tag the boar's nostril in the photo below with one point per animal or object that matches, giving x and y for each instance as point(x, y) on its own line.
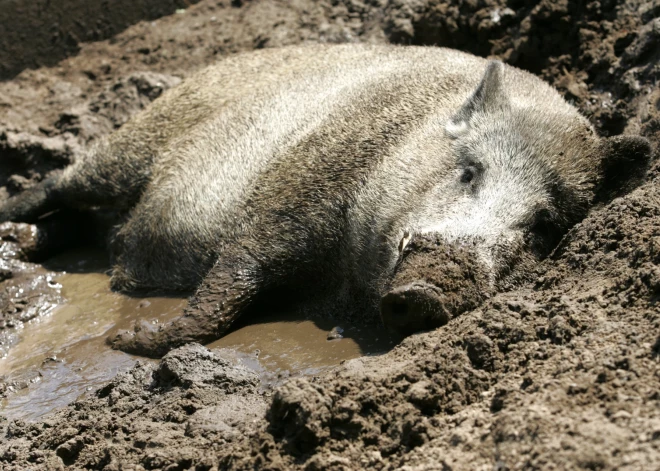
point(413, 307)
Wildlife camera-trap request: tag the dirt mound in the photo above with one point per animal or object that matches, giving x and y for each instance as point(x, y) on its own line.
point(187, 409)
point(561, 373)
point(56, 29)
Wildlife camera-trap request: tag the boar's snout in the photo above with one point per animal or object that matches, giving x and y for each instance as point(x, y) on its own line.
point(433, 282)
point(413, 307)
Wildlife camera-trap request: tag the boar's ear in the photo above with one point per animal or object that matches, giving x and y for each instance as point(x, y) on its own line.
point(487, 96)
point(626, 160)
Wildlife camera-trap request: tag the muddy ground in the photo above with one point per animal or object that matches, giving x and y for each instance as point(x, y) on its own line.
point(562, 373)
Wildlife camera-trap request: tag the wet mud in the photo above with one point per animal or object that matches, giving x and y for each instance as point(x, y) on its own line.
point(59, 355)
point(560, 372)
point(63, 353)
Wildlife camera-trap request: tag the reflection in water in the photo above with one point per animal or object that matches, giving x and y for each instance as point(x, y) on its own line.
point(64, 354)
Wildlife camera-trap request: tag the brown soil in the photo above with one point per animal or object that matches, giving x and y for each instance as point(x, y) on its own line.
point(561, 373)
point(41, 32)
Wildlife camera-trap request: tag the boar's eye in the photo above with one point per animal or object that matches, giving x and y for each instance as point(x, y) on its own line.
point(469, 174)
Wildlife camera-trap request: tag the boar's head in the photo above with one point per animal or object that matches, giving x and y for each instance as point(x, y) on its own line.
point(524, 169)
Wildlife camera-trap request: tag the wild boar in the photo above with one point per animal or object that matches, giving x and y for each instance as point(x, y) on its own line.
point(313, 167)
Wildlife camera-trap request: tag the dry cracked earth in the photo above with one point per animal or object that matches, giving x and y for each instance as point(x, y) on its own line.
point(560, 373)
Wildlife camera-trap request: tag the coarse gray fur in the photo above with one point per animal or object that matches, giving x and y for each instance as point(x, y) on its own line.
point(307, 166)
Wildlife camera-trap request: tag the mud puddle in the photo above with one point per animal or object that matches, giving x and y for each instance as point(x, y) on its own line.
point(279, 345)
point(62, 355)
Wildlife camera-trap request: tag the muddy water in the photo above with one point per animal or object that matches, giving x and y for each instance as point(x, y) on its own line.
point(63, 355)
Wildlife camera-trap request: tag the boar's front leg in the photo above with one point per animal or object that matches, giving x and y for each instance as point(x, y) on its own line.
point(226, 292)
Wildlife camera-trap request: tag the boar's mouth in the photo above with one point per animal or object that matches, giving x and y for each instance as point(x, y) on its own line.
point(433, 282)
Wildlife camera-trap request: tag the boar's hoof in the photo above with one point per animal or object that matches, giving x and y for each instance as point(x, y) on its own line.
point(141, 340)
point(413, 307)
point(154, 341)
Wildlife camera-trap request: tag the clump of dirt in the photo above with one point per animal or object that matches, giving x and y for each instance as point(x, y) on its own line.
point(188, 408)
point(28, 293)
point(560, 373)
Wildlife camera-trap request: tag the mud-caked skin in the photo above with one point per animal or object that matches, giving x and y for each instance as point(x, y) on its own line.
point(313, 166)
point(433, 282)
